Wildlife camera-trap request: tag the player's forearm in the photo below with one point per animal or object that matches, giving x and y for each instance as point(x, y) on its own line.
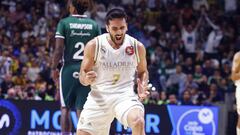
point(143, 76)
point(56, 59)
point(58, 53)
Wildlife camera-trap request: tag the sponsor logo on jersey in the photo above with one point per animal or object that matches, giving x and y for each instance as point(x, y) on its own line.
point(74, 33)
point(118, 65)
point(81, 26)
point(129, 50)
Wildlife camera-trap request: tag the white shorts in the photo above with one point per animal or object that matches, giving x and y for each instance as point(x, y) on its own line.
point(98, 113)
point(237, 94)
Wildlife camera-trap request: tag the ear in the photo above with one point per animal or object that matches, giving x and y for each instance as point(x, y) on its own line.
point(70, 7)
point(107, 28)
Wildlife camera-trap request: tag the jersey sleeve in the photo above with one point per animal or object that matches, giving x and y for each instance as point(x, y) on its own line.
point(60, 30)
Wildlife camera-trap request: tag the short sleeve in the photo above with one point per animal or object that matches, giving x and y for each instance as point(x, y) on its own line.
point(60, 30)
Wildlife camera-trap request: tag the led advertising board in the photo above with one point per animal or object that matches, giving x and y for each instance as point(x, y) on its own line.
point(43, 118)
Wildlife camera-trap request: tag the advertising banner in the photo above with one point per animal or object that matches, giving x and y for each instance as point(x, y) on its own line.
point(193, 120)
point(43, 118)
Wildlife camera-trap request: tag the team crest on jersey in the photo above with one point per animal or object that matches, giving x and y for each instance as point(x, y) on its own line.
point(103, 52)
point(103, 49)
point(129, 50)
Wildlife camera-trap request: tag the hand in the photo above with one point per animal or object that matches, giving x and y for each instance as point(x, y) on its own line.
point(142, 89)
point(90, 77)
point(55, 76)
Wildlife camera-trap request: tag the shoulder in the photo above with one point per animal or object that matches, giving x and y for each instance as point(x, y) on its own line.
point(101, 37)
point(91, 44)
point(135, 41)
point(237, 55)
point(140, 47)
point(63, 20)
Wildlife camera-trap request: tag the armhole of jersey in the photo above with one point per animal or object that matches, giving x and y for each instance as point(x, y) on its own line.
point(136, 50)
point(96, 50)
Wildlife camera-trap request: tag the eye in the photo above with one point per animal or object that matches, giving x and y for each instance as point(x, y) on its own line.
point(114, 29)
point(122, 28)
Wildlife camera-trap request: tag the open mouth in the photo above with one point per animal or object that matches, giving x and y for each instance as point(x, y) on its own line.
point(118, 37)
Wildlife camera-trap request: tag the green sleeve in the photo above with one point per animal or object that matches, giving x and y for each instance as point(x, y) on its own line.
point(60, 33)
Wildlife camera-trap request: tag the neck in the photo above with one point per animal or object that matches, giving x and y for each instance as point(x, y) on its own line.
point(74, 12)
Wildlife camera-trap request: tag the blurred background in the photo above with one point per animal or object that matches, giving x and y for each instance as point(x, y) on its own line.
point(190, 46)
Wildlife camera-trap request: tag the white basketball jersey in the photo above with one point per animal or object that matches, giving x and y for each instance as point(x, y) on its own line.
point(237, 83)
point(115, 68)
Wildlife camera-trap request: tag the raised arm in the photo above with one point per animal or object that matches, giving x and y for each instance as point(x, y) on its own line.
point(198, 23)
point(211, 23)
point(87, 75)
point(142, 73)
point(236, 67)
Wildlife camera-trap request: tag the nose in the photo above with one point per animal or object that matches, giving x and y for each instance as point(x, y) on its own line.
point(119, 32)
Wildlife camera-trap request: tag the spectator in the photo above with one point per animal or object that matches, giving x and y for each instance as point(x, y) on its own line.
point(208, 68)
point(190, 82)
point(176, 83)
point(213, 41)
point(162, 98)
point(186, 98)
point(188, 66)
point(172, 99)
point(11, 94)
point(189, 36)
point(5, 62)
point(33, 71)
point(98, 14)
point(7, 83)
point(215, 78)
point(230, 5)
point(215, 95)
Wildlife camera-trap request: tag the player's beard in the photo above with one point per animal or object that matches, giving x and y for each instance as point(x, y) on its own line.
point(117, 39)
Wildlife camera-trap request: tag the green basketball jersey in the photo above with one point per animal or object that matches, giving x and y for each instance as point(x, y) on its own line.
point(76, 30)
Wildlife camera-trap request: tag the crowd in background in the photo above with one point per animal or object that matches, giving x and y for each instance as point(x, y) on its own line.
point(190, 45)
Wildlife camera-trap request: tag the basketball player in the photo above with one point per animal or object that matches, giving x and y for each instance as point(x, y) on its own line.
point(236, 78)
point(72, 34)
point(109, 66)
